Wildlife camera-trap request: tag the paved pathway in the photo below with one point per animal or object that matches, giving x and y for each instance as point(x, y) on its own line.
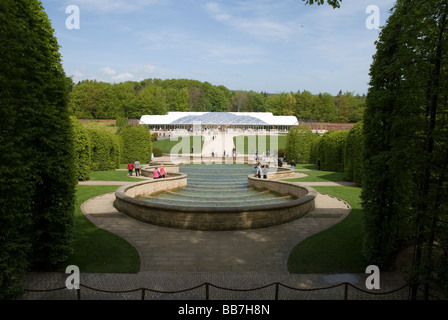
point(168, 249)
point(174, 259)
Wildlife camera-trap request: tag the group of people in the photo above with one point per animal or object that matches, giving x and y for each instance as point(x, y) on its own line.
point(159, 172)
point(280, 162)
point(262, 170)
point(134, 166)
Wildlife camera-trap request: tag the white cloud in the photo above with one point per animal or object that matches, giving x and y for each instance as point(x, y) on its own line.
point(114, 6)
point(122, 77)
point(261, 26)
point(148, 69)
point(108, 71)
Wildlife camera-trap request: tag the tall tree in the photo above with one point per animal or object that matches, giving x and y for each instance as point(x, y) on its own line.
point(405, 128)
point(37, 180)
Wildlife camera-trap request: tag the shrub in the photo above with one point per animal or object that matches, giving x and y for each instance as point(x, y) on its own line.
point(158, 152)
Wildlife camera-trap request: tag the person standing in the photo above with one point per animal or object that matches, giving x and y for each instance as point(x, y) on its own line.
point(130, 167)
point(137, 168)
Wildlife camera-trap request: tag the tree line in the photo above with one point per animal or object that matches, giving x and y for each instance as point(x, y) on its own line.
point(91, 99)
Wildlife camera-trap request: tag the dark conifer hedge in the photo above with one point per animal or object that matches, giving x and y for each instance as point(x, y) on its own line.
point(37, 180)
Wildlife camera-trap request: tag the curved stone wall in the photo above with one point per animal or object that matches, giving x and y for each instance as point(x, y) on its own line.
point(214, 218)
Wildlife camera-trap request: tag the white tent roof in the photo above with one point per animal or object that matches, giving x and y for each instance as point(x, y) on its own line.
point(219, 118)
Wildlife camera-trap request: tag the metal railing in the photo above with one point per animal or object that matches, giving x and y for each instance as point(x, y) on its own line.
point(207, 295)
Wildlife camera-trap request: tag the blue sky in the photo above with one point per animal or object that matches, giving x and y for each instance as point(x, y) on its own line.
point(260, 45)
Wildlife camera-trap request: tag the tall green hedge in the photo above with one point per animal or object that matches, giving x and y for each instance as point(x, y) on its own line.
point(330, 150)
point(105, 148)
point(298, 144)
point(353, 154)
point(37, 181)
point(81, 150)
point(136, 144)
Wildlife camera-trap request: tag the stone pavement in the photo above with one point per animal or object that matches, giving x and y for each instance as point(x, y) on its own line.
point(175, 259)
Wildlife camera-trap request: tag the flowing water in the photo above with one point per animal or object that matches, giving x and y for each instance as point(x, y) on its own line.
point(217, 185)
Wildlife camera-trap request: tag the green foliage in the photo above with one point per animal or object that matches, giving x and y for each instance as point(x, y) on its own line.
point(154, 136)
point(298, 144)
point(353, 154)
point(81, 150)
point(105, 150)
point(158, 152)
point(334, 3)
point(91, 99)
point(405, 129)
point(136, 144)
point(36, 149)
point(281, 152)
point(330, 150)
point(314, 150)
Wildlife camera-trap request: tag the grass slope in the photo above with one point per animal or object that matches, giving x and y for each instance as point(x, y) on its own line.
point(337, 249)
point(95, 249)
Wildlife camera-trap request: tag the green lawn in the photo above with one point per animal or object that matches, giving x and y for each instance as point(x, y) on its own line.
point(243, 147)
point(112, 175)
point(337, 249)
point(167, 145)
point(319, 176)
point(95, 249)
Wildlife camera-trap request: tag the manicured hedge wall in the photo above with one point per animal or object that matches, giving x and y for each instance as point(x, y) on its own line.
point(353, 154)
point(81, 150)
point(135, 143)
point(105, 150)
point(330, 151)
point(298, 144)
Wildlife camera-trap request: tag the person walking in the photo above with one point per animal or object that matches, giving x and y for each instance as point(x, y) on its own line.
point(130, 167)
point(137, 168)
